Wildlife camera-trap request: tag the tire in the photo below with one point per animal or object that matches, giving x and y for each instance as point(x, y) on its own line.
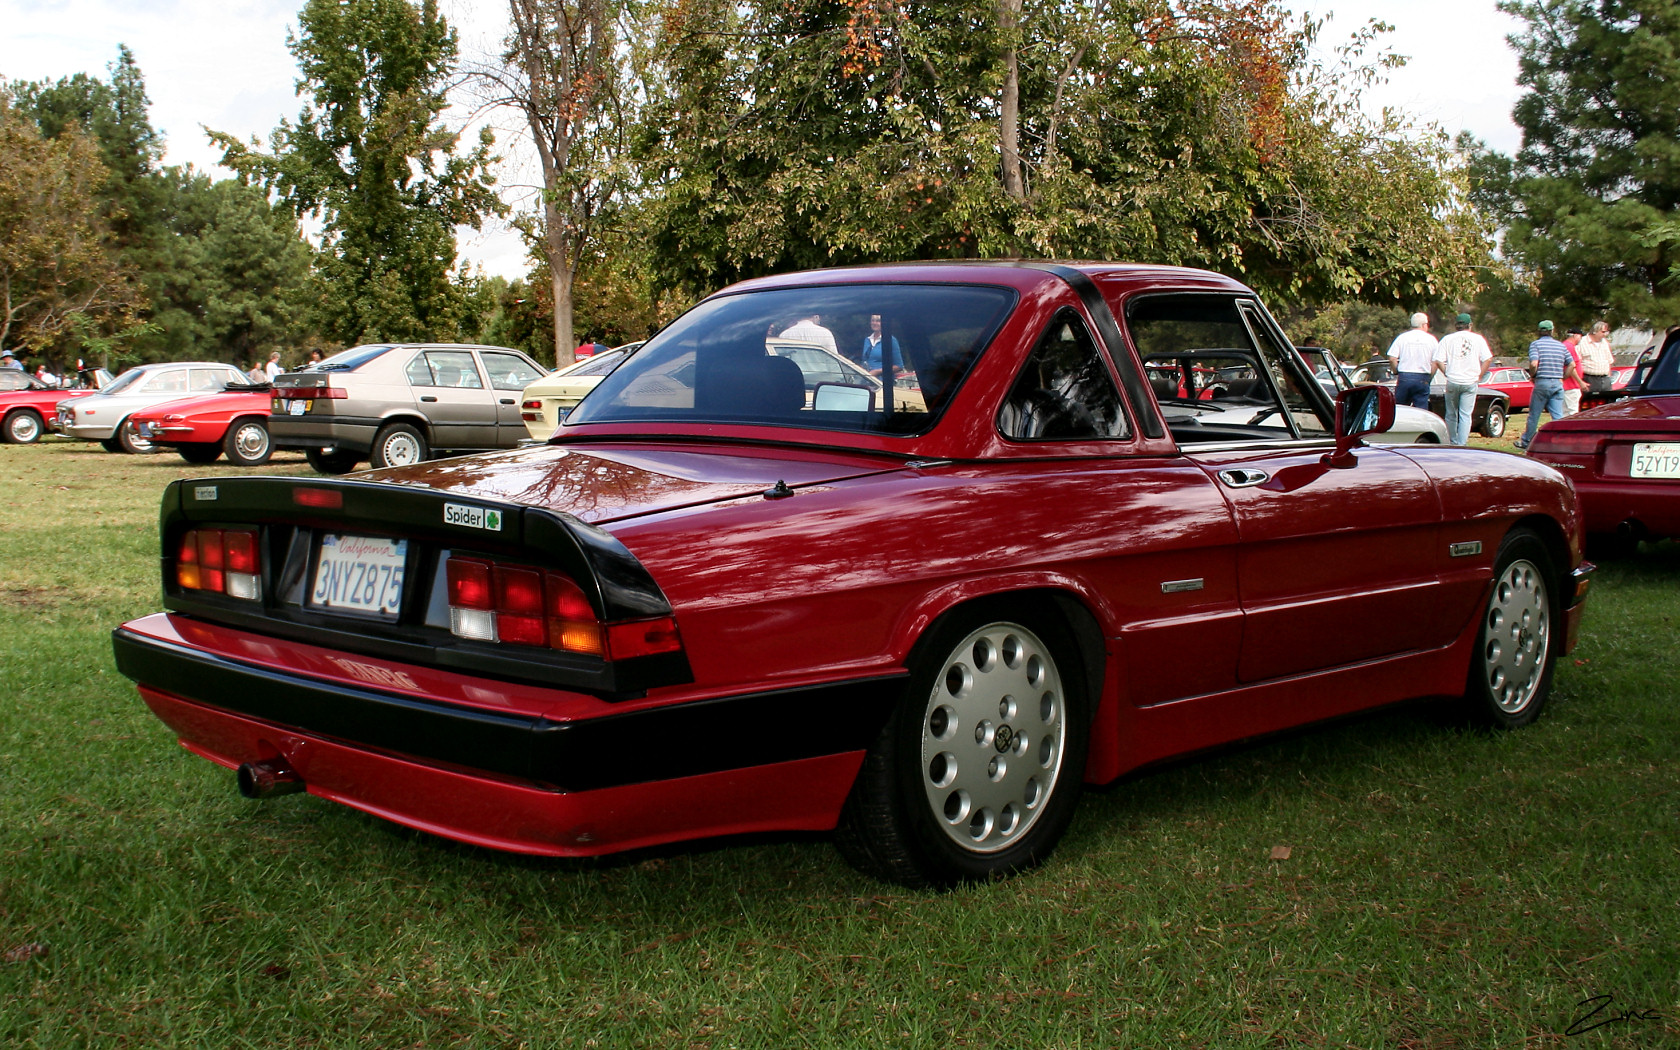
point(977, 773)
point(331, 462)
point(112, 445)
point(1493, 424)
point(398, 445)
point(23, 427)
point(1510, 675)
point(199, 452)
point(247, 443)
point(131, 441)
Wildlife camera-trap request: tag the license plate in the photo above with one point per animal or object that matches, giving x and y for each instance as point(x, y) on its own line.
point(297, 408)
point(1656, 460)
point(143, 429)
point(359, 574)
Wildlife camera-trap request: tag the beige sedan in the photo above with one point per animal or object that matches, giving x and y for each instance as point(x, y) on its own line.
point(545, 404)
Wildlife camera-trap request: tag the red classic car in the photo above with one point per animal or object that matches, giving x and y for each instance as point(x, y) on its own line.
point(1515, 384)
point(203, 428)
point(1624, 457)
point(716, 602)
point(26, 404)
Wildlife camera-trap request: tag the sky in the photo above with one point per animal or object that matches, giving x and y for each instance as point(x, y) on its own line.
point(223, 64)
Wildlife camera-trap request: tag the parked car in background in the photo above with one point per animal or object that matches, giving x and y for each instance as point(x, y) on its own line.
point(396, 404)
point(204, 428)
point(821, 368)
point(718, 603)
point(1515, 383)
point(1624, 457)
point(1493, 406)
point(104, 416)
point(1411, 425)
point(545, 404)
point(1622, 376)
point(27, 404)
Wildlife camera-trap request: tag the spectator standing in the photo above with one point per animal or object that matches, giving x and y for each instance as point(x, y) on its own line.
point(314, 358)
point(273, 368)
point(1413, 356)
point(1572, 384)
point(8, 361)
point(1597, 359)
point(1549, 363)
point(809, 329)
point(1463, 358)
point(871, 356)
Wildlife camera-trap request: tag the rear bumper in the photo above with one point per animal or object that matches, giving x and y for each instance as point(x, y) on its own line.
point(1606, 505)
point(304, 432)
point(503, 765)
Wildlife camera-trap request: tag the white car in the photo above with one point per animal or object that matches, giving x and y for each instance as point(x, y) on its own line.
point(544, 405)
point(1411, 425)
point(103, 417)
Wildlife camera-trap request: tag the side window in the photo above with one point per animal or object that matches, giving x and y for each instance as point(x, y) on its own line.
point(509, 371)
point(1210, 375)
point(1065, 391)
point(1305, 410)
point(447, 368)
point(173, 382)
point(204, 380)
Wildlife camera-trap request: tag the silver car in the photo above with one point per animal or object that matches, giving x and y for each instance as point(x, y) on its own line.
point(396, 403)
point(103, 417)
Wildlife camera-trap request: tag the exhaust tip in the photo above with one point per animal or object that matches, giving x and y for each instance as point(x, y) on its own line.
point(268, 778)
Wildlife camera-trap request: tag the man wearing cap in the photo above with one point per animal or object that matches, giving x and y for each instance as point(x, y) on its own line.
point(1413, 355)
point(1463, 358)
point(8, 361)
point(1548, 362)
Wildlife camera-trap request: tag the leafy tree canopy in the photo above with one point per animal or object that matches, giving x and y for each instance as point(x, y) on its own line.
point(1591, 202)
point(801, 133)
point(370, 158)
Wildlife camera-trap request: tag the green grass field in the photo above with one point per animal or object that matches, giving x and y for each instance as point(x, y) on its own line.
point(1443, 887)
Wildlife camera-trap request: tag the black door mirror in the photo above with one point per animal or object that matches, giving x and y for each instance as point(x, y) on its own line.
point(1359, 411)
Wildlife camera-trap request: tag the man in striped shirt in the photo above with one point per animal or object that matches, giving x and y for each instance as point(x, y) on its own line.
point(1549, 362)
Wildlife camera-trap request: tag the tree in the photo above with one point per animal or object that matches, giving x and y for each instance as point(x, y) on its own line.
point(369, 157)
point(560, 72)
point(800, 133)
point(1589, 203)
point(58, 262)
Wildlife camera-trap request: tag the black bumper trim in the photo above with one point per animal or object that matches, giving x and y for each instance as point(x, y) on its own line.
point(687, 739)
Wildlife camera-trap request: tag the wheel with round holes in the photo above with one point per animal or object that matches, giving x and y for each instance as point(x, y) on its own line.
point(977, 772)
point(399, 445)
point(247, 443)
point(1517, 642)
point(23, 427)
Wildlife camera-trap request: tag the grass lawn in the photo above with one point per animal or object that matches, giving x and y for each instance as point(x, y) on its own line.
point(1442, 887)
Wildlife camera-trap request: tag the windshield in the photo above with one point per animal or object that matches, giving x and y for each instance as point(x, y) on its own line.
point(126, 380)
point(880, 358)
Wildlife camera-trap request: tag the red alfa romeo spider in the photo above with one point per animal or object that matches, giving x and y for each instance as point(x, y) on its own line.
point(720, 600)
point(202, 428)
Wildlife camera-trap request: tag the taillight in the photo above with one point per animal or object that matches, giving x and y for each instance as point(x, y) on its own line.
point(1568, 442)
point(220, 560)
point(301, 393)
point(523, 606)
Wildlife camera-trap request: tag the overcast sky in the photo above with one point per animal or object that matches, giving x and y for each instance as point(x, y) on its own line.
point(224, 64)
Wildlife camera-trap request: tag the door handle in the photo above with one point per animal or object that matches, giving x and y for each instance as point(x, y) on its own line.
point(507, 400)
point(1243, 478)
point(427, 397)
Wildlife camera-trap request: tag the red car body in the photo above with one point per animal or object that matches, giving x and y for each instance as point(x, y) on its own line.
point(26, 413)
point(1515, 384)
point(204, 427)
point(1624, 457)
point(773, 598)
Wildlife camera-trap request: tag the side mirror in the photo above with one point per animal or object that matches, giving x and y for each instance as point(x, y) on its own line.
point(1359, 411)
point(842, 397)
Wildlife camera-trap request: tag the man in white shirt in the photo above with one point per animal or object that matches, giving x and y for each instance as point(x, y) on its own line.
point(809, 329)
point(1463, 358)
point(1597, 359)
point(1413, 356)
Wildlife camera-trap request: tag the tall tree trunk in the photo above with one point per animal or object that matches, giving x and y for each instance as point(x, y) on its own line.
point(1009, 117)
